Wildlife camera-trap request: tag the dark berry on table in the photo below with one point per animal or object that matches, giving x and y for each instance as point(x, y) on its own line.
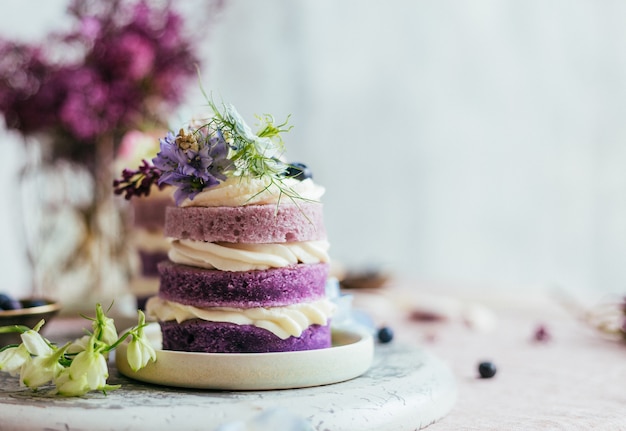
point(9, 303)
point(487, 370)
point(385, 334)
point(299, 171)
point(542, 334)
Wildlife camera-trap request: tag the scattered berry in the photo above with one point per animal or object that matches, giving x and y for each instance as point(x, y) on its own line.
point(487, 370)
point(385, 334)
point(9, 303)
point(542, 334)
point(299, 171)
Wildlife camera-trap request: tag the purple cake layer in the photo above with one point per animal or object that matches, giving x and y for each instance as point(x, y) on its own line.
point(150, 261)
point(246, 289)
point(217, 337)
point(251, 224)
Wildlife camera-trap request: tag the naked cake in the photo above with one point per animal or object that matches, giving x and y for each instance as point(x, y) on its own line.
point(248, 261)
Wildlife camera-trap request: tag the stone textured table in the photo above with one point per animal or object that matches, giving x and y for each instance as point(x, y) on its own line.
point(405, 389)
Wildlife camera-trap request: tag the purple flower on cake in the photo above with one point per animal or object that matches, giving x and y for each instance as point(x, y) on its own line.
point(212, 150)
point(137, 182)
point(192, 161)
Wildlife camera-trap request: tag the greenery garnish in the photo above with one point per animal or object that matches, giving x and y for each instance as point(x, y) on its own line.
point(210, 151)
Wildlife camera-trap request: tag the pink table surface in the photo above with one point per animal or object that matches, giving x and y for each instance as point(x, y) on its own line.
point(574, 381)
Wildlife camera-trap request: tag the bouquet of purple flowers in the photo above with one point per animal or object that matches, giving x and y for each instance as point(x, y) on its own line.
point(122, 65)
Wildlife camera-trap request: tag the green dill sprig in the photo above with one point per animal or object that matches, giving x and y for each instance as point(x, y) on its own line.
point(256, 155)
point(223, 146)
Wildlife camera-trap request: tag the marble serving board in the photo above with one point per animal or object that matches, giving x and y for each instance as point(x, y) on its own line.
point(406, 388)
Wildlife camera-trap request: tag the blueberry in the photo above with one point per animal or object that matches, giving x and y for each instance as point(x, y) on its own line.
point(487, 370)
point(385, 334)
point(9, 303)
point(299, 171)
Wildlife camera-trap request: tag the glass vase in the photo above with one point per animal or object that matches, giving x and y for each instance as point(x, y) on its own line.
point(76, 229)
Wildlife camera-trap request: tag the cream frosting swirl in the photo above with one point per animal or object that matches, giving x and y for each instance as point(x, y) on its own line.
point(240, 191)
point(284, 322)
point(246, 257)
point(150, 241)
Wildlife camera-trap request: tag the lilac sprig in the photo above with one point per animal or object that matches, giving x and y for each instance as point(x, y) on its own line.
point(136, 57)
point(193, 161)
point(137, 182)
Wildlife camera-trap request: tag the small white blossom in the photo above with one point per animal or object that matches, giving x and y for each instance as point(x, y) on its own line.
point(69, 387)
point(40, 370)
point(80, 344)
point(232, 116)
point(92, 366)
point(12, 359)
point(35, 343)
point(263, 145)
point(139, 351)
point(104, 327)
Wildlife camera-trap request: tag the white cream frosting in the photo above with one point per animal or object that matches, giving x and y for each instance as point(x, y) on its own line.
point(246, 257)
point(284, 322)
point(240, 191)
point(150, 241)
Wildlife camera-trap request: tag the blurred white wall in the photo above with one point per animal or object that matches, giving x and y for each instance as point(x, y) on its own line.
point(470, 142)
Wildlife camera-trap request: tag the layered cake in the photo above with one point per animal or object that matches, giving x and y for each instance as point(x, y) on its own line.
point(248, 260)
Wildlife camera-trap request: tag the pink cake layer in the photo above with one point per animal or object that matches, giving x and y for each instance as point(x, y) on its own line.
point(250, 224)
point(245, 289)
point(217, 337)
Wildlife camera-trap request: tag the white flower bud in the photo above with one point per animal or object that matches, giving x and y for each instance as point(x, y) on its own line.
point(12, 359)
point(69, 387)
point(139, 351)
point(104, 327)
point(92, 366)
point(35, 343)
point(40, 370)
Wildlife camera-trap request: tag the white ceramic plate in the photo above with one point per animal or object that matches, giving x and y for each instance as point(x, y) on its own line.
point(350, 356)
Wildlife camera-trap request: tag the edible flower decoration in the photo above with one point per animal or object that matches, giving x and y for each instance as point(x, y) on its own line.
point(208, 152)
point(77, 367)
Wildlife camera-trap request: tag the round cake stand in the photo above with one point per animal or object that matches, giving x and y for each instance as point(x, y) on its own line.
point(406, 388)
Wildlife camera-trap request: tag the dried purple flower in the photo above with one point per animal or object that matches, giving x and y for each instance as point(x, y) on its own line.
point(137, 182)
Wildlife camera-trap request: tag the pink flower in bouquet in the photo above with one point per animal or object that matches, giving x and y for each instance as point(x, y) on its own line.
point(128, 63)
